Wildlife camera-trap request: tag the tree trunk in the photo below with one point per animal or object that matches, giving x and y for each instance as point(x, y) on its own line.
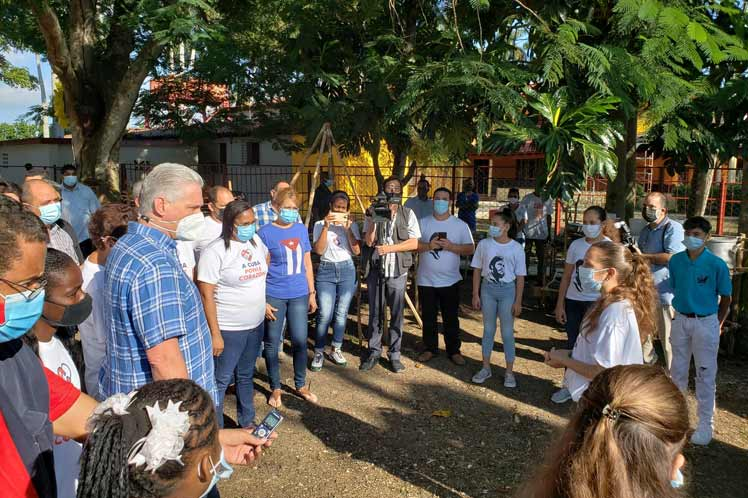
point(630, 192)
point(621, 192)
point(743, 219)
point(701, 185)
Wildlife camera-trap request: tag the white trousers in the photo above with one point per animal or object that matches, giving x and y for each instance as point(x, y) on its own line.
point(664, 314)
point(697, 337)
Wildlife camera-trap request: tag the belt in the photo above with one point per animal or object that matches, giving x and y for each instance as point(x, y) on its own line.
point(694, 315)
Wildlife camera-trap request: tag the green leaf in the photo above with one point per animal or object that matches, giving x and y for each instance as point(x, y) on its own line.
point(696, 32)
point(649, 10)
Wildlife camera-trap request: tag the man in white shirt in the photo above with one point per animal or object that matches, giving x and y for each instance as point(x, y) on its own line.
point(392, 256)
point(218, 199)
point(535, 222)
point(421, 205)
point(444, 238)
point(78, 204)
point(43, 199)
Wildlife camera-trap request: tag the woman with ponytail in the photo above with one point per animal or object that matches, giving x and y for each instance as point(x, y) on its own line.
point(614, 328)
point(624, 441)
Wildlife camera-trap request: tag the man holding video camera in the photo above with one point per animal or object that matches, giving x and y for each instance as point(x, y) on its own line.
point(658, 241)
point(391, 234)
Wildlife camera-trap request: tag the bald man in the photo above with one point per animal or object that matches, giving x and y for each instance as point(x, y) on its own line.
point(44, 200)
point(218, 198)
point(658, 241)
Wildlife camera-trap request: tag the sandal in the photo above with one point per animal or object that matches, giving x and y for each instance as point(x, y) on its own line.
point(274, 399)
point(308, 395)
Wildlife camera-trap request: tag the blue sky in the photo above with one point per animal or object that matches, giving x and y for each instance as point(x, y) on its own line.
point(15, 102)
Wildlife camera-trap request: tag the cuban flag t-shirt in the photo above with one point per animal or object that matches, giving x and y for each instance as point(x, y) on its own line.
point(286, 277)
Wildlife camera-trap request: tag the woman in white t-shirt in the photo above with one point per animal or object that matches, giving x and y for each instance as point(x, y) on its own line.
point(52, 338)
point(231, 278)
point(336, 239)
point(106, 225)
point(501, 262)
point(572, 301)
point(615, 327)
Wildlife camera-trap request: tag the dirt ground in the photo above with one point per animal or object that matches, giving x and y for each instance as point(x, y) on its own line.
point(376, 434)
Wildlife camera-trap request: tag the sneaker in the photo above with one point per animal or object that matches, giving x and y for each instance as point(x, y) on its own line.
point(561, 396)
point(318, 361)
point(337, 357)
point(369, 363)
point(483, 375)
point(510, 381)
point(701, 437)
point(397, 365)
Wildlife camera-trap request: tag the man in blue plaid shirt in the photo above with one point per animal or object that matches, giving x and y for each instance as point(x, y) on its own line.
point(156, 324)
point(267, 212)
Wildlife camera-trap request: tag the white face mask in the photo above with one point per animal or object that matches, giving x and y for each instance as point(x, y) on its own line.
point(191, 227)
point(591, 231)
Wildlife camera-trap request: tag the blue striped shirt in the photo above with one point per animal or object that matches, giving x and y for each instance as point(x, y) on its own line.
point(150, 300)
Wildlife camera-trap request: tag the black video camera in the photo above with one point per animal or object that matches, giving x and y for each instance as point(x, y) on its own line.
point(626, 238)
point(380, 206)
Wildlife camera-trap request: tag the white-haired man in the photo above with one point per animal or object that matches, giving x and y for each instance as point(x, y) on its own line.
point(157, 326)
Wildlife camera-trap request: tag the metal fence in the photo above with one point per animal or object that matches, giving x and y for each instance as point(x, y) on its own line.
point(255, 182)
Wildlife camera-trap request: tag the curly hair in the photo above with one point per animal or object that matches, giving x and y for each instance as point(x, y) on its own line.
point(635, 284)
point(107, 220)
point(630, 425)
point(104, 467)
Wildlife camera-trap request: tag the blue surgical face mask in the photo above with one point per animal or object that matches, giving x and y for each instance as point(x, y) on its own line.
point(246, 232)
point(692, 243)
point(289, 215)
point(678, 481)
point(221, 471)
point(329, 183)
point(19, 314)
point(591, 231)
point(441, 206)
point(494, 231)
point(587, 279)
point(70, 181)
point(50, 213)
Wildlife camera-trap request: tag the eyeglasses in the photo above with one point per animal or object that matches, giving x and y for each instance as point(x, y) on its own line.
point(22, 289)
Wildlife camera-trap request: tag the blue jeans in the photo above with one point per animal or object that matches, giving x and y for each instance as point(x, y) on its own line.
point(294, 312)
point(575, 311)
point(240, 351)
point(496, 300)
point(335, 284)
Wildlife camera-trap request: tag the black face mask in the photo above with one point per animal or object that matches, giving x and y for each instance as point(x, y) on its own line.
point(74, 314)
point(649, 214)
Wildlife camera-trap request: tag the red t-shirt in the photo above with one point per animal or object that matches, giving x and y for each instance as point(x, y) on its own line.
point(14, 480)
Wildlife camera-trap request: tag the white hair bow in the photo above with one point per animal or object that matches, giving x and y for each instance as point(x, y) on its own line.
point(117, 404)
point(165, 440)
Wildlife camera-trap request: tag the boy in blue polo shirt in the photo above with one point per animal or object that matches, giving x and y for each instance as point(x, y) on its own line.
point(703, 292)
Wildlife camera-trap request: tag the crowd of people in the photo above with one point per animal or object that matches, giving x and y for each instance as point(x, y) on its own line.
point(172, 305)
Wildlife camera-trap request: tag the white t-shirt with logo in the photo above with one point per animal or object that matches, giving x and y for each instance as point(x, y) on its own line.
point(239, 274)
point(93, 330)
point(575, 256)
point(500, 262)
point(67, 452)
point(186, 257)
point(614, 342)
point(211, 232)
point(338, 247)
point(441, 268)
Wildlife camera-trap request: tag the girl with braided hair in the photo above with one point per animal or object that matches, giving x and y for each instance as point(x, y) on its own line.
point(161, 441)
point(624, 441)
point(617, 324)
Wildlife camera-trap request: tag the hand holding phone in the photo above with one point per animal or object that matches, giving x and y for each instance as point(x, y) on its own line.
point(268, 425)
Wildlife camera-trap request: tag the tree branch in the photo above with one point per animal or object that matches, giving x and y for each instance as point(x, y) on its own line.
point(410, 173)
point(126, 93)
point(57, 48)
point(82, 35)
